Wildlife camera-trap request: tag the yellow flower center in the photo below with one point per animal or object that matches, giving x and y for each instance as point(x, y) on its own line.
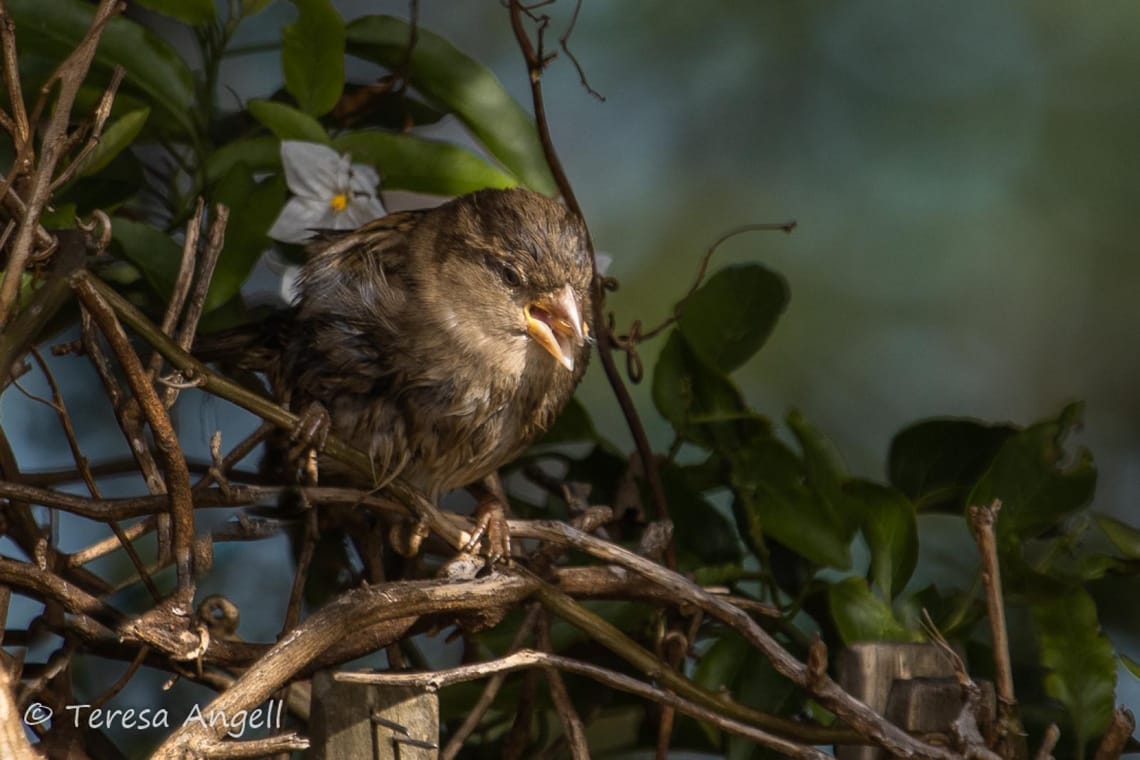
point(339, 202)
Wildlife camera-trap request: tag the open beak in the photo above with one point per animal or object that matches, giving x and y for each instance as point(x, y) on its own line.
point(555, 322)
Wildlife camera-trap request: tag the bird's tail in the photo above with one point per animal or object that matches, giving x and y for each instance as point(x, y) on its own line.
point(253, 347)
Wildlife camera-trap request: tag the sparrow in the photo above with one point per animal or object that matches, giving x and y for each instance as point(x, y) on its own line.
point(441, 341)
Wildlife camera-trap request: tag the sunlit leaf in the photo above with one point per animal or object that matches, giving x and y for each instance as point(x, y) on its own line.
point(312, 56)
point(115, 139)
point(860, 615)
point(455, 82)
point(286, 122)
point(1080, 663)
point(406, 162)
point(728, 318)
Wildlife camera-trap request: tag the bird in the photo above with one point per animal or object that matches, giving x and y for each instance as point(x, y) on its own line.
point(441, 341)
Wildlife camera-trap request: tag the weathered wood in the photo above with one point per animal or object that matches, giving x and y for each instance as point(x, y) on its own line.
point(868, 671)
point(370, 721)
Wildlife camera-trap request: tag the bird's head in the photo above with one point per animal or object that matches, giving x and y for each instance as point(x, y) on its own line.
point(511, 280)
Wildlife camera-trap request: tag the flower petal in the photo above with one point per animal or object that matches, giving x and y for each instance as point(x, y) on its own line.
point(312, 170)
point(361, 209)
point(296, 222)
point(364, 179)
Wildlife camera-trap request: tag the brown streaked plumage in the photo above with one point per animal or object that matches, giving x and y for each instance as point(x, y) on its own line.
point(441, 341)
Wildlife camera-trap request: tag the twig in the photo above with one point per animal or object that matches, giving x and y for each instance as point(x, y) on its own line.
point(1048, 742)
point(530, 658)
point(255, 748)
point(21, 131)
point(99, 119)
point(828, 693)
point(1115, 739)
point(60, 408)
point(111, 543)
point(122, 680)
point(166, 440)
point(70, 74)
point(564, 41)
point(702, 270)
point(490, 691)
point(182, 282)
point(572, 726)
point(535, 63)
point(1009, 728)
point(197, 304)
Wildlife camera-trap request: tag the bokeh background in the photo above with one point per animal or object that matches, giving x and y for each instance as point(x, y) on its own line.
point(965, 177)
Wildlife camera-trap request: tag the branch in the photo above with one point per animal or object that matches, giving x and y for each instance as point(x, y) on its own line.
point(333, 622)
point(824, 690)
point(529, 658)
point(70, 75)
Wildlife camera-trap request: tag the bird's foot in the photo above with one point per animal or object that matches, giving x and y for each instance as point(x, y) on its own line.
point(491, 522)
point(406, 538)
point(311, 431)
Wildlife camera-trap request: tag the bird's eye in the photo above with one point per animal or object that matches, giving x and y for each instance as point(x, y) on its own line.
point(511, 276)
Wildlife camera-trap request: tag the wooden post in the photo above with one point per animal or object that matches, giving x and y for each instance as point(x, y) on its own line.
point(374, 722)
point(869, 671)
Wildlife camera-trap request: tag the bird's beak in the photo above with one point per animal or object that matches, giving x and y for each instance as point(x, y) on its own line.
point(555, 322)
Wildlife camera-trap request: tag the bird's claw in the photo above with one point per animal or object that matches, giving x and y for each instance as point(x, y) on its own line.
point(311, 430)
point(491, 522)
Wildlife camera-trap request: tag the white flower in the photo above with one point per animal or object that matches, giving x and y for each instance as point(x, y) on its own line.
point(329, 192)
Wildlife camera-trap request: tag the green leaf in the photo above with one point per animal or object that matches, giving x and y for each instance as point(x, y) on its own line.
point(152, 66)
point(455, 82)
point(253, 207)
point(824, 469)
point(1079, 659)
point(704, 536)
point(412, 163)
point(258, 153)
point(286, 122)
point(154, 252)
point(772, 498)
point(702, 405)
point(116, 137)
point(192, 12)
point(861, 616)
point(1036, 490)
point(890, 526)
point(936, 462)
point(312, 56)
point(732, 666)
point(728, 318)
point(1125, 537)
point(117, 183)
